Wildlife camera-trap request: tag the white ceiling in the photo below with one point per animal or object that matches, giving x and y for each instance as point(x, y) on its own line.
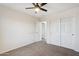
point(51, 7)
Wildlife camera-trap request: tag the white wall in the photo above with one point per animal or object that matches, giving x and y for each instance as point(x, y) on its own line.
point(16, 29)
point(53, 21)
point(37, 29)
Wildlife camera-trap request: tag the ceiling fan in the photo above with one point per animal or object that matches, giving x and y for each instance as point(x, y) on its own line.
point(37, 7)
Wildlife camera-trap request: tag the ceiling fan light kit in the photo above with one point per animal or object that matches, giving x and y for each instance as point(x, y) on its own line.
point(37, 9)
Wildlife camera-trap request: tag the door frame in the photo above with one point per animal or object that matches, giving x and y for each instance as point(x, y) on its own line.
point(45, 22)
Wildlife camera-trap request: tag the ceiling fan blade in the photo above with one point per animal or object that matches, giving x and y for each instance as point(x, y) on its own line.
point(43, 9)
point(37, 5)
point(30, 8)
point(42, 4)
point(34, 4)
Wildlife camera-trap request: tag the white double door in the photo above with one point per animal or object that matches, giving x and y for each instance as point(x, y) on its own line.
point(62, 32)
point(67, 32)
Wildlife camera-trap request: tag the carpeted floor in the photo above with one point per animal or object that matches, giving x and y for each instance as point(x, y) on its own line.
point(41, 49)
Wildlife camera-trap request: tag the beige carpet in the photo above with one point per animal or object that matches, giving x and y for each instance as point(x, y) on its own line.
point(41, 49)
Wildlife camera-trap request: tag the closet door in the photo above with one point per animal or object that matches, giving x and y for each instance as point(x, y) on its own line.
point(67, 32)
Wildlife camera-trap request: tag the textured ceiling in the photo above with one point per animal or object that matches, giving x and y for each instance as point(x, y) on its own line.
point(51, 7)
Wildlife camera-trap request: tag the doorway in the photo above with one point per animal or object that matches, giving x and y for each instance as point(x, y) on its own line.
point(43, 26)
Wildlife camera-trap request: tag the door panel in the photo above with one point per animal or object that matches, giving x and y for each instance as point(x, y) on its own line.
point(67, 32)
